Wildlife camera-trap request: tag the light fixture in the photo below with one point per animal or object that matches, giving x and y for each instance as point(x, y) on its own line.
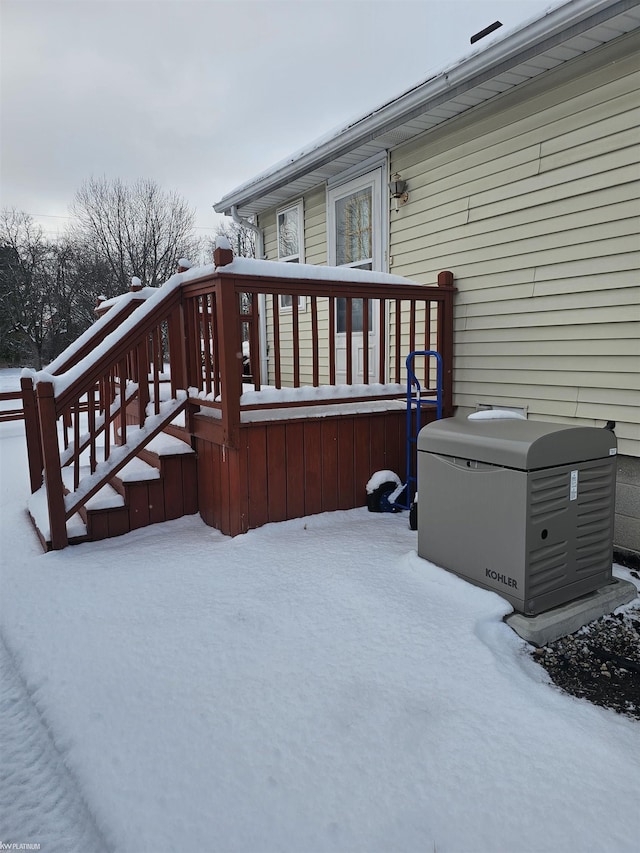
point(398, 190)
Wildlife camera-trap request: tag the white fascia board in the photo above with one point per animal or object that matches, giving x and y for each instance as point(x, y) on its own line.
point(554, 27)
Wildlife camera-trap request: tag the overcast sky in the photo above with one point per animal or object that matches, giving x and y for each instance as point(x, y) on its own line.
point(201, 95)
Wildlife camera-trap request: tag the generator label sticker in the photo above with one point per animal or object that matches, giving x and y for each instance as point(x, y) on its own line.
point(573, 490)
point(613, 451)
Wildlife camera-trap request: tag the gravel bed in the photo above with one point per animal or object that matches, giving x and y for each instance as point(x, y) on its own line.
point(600, 662)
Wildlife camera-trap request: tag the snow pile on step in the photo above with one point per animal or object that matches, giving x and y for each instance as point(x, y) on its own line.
point(39, 512)
point(138, 471)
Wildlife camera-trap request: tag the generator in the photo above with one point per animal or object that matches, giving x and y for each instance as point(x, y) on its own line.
point(523, 508)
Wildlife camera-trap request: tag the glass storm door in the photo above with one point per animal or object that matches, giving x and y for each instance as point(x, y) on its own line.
point(355, 237)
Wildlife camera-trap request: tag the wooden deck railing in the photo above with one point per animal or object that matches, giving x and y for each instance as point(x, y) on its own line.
point(95, 334)
point(221, 313)
point(76, 420)
point(85, 409)
point(16, 412)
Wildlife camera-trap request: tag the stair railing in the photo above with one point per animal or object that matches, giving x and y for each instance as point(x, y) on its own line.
point(93, 418)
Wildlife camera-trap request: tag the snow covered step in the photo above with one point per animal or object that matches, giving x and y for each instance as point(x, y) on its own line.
point(176, 462)
point(163, 446)
point(39, 512)
point(157, 485)
point(137, 470)
point(106, 498)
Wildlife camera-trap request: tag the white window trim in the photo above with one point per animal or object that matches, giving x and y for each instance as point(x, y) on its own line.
point(299, 256)
point(373, 179)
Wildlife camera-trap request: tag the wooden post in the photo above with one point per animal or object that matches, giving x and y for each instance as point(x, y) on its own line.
point(222, 256)
point(230, 350)
point(445, 340)
point(32, 432)
point(52, 470)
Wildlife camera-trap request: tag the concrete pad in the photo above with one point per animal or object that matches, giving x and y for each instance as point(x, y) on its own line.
point(568, 618)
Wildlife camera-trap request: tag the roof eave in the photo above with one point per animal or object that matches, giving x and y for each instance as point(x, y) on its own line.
point(555, 27)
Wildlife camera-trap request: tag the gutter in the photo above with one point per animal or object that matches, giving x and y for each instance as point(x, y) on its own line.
point(551, 29)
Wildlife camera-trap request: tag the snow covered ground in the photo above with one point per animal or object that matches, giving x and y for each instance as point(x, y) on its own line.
point(312, 686)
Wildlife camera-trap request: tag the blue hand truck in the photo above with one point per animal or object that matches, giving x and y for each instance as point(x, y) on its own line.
point(385, 491)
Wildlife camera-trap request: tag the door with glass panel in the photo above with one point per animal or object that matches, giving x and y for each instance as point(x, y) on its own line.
point(355, 240)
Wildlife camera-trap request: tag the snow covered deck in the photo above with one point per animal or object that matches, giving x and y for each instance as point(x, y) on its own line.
point(324, 409)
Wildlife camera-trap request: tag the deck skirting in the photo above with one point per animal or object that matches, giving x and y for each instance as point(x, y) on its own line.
point(288, 469)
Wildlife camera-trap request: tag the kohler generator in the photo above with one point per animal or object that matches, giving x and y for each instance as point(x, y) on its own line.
point(520, 507)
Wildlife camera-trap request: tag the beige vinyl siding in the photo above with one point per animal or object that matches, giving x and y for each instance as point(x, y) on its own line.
point(268, 223)
point(315, 226)
point(534, 204)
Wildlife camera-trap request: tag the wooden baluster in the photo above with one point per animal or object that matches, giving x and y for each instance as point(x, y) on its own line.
point(215, 350)
point(206, 342)
point(412, 326)
point(66, 426)
point(365, 341)
point(143, 367)
point(122, 373)
point(332, 341)
point(192, 336)
point(314, 342)
point(158, 365)
point(349, 339)
point(75, 414)
point(428, 314)
point(276, 339)
point(382, 326)
point(107, 414)
point(296, 341)
point(398, 352)
point(254, 343)
point(91, 421)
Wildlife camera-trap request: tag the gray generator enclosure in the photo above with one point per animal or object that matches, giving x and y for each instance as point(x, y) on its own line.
point(519, 507)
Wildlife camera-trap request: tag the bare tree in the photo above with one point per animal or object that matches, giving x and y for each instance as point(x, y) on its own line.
point(27, 289)
point(135, 230)
point(48, 290)
point(241, 238)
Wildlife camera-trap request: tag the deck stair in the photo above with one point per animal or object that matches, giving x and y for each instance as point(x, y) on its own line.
point(98, 464)
point(157, 485)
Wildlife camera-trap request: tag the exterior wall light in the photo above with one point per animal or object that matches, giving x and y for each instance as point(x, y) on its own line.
point(398, 190)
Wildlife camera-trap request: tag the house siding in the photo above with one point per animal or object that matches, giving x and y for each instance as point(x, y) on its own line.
point(533, 202)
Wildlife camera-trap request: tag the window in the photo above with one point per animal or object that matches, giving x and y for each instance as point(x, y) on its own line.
point(355, 236)
point(355, 222)
point(291, 243)
point(354, 244)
